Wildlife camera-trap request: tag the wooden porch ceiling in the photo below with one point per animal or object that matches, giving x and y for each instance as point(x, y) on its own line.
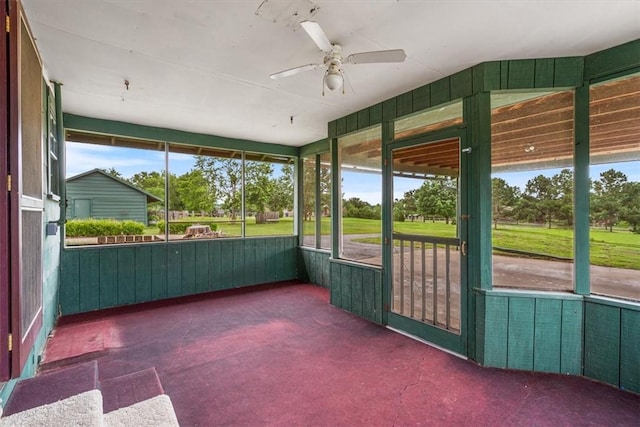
point(535, 133)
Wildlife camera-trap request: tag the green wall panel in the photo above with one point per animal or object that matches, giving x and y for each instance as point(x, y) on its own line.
point(602, 343)
point(90, 273)
point(341, 126)
point(108, 283)
point(363, 118)
point(568, 72)
point(496, 322)
point(126, 276)
point(521, 74)
point(335, 291)
point(104, 277)
point(352, 122)
point(375, 114)
point(520, 333)
point(357, 289)
point(332, 130)
point(404, 104)
point(421, 98)
point(572, 332)
point(440, 91)
point(143, 268)
point(630, 351)
point(389, 109)
point(479, 312)
point(613, 60)
point(547, 335)
point(159, 272)
point(544, 72)
point(70, 276)
point(202, 268)
point(462, 84)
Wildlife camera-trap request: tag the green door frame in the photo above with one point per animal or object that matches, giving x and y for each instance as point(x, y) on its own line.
point(437, 336)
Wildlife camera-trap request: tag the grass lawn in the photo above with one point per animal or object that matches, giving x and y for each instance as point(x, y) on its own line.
point(619, 248)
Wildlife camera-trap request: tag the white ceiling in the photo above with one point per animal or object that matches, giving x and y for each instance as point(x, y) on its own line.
point(204, 66)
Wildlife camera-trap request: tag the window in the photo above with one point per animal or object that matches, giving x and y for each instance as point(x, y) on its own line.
point(316, 179)
point(532, 189)
point(360, 159)
point(51, 126)
point(615, 187)
point(114, 189)
point(429, 120)
point(324, 180)
point(309, 201)
point(122, 190)
point(268, 195)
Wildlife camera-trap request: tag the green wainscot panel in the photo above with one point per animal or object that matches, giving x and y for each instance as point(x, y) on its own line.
point(630, 350)
point(602, 342)
point(520, 333)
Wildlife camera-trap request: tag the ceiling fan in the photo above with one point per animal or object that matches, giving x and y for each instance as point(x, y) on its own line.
point(333, 60)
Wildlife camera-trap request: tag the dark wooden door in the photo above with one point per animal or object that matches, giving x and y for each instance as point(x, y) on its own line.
point(26, 196)
point(5, 361)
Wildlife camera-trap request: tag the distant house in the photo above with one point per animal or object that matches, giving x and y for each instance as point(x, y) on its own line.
point(96, 194)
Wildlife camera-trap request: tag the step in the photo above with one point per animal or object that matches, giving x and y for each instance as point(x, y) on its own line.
point(130, 389)
point(84, 409)
point(155, 412)
point(52, 386)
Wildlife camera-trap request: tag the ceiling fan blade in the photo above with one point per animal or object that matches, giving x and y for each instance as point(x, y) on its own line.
point(319, 37)
point(395, 55)
point(296, 70)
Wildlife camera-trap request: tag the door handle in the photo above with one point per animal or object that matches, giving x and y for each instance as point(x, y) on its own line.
point(463, 248)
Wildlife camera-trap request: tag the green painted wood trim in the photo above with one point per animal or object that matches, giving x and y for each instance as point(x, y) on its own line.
point(336, 215)
point(112, 276)
point(613, 302)
point(581, 186)
point(317, 207)
point(320, 146)
point(387, 216)
point(477, 115)
point(477, 350)
point(61, 154)
point(516, 293)
point(612, 60)
point(131, 130)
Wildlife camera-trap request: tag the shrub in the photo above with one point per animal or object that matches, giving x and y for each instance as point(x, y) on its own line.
point(180, 227)
point(101, 227)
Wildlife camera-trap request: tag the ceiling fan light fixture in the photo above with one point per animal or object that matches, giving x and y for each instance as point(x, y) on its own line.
point(333, 79)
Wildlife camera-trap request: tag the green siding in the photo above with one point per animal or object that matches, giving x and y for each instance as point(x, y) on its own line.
point(602, 343)
point(357, 289)
point(613, 60)
point(109, 198)
point(314, 266)
point(630, 351)
point(534, 331)
point(111, 276)
point(571, 332)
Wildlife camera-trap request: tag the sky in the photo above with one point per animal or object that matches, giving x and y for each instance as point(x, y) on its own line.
point(366, 186)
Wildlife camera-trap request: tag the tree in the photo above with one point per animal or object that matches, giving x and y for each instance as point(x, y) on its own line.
point(224, 178)
point(503, 200)
point(409, 204)
point(258, 185)
point(438, 198)
point(563, 184)
point(113, 172)
point(630, 211)
point(151, 182)
point(357, 208)
point(281, 196)
point(540, 199)
point(608, 195)
point(309, 189)
point(194, 191)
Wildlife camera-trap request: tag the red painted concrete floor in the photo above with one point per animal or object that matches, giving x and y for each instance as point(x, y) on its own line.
point(283, 356)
